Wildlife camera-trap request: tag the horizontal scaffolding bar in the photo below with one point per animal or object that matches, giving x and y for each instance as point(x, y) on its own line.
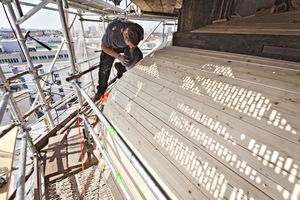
point(22, 73)
point(7, 129)
point(54, 71)
point(32, 11)
point(64, 68)
point(46, 8)
point(81, 73)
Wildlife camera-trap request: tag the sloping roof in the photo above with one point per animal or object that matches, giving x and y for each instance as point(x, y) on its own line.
point(209, 125)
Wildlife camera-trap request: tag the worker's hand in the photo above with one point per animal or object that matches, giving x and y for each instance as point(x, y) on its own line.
point(123, 59)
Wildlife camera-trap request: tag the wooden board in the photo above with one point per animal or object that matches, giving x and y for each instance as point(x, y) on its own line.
point(74, 149)
point(114, 187)
point(7, 156)
point(201, 139)
point(92, 161)
point(56, 159)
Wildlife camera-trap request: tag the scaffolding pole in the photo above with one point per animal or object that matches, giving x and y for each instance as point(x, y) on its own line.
point(156, 189)
point(3, 104)
point(86, 52)
point(68, 45)
point(33, 72)
point(25, 138)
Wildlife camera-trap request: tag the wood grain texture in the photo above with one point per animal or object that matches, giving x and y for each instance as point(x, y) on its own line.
point(7, 152)
point(56, 159)
point(74, 149)
point(210, 125)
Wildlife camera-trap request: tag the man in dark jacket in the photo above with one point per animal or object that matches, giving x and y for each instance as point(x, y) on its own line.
point(120, 42)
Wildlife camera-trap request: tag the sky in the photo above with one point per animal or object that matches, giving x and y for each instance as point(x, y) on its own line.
point(47, 19)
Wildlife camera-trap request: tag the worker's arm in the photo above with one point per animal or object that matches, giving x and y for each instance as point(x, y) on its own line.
point(109, 51)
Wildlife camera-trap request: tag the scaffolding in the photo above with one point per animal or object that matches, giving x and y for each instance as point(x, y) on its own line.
point(85, 103)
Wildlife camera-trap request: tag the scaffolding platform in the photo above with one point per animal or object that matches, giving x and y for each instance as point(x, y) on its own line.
point(71, 186)
point(6, 156)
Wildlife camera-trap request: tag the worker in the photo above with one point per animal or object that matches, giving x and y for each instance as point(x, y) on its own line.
point(120, 42)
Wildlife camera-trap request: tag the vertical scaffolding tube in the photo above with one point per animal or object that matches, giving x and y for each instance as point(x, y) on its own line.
point(25, 138)
point(68, 45)
point(163, 36)
point(22, 169)
point(29, 61)
point(107, 159)
point(3, 104)
point(87, 55)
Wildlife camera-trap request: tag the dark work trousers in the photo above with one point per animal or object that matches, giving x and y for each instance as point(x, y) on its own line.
point(106, 62)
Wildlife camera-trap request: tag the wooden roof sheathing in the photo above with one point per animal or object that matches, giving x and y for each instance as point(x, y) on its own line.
point(158, 6)
point(209, 125)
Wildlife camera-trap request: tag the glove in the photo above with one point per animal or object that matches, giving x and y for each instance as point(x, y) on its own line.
point(123, 59)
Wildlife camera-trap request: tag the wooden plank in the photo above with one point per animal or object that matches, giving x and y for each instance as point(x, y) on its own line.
point(178, 78)
point(284, 32)
point(282, 105)
point(142, 5)
point(289, 82)
point(155, 5)
point(242, 58)
point(42, 142)
point(236, 151)
point(233, 60)
point(168, 5)
point(254, 131)
point(174, 183)
point(115, 189)
point(56, 159)
point(74, 149)
point(182, 158)
point(156, 109)
point(92, 161)
point(285, 17)
point(183, 70)
point(7, 152)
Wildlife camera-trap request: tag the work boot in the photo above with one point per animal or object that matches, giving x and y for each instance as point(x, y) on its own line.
point(97, 97)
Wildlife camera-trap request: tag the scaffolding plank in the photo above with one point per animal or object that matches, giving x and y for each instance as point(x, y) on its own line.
point(56, 160)
point(6, 157)
point(74, 149)
point(92, 161)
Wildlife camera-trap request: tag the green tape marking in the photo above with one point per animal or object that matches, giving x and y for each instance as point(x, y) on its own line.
point(85, 61)
point(45, 7)
point(112, 131)
point(31, 144)
point(90, 82)
point(54, 62)
point(150, 17)
point(27, 192)
point(18, 149)
point(118, 179)
point(33, 81)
